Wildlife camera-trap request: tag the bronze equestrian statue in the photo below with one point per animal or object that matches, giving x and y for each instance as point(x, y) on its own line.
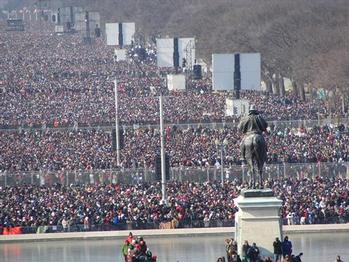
point(253, 145)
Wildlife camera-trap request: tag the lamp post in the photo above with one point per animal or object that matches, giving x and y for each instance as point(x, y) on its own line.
point(222, 145)
point(117, 123)
point(162, 143)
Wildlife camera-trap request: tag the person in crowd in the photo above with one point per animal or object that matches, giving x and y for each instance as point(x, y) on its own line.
point(65, 224)
point(286, 248)
point(86, 223)
point(124, 249)
point(287, 258)
point(277, 250)
point(253, 253)
point(297, 258)
point(231, 248)
point(245, 248)
point(228, 248)
point(235, 257)
point(130, 237)
point(143, 245)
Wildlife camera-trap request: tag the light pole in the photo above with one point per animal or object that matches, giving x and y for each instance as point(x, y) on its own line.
point(222, 145)
point(162, 143)
point(117, 123)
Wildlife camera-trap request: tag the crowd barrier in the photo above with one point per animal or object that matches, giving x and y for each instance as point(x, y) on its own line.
point(129, 226)
point(194, 174)
point(116, 227)
point(294, 123)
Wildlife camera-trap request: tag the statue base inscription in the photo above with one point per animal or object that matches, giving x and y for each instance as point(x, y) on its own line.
point(258, 219)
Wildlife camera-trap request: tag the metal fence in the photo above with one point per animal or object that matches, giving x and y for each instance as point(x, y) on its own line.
point(283, 170)
point(194, 174)
point(129, 226)
point(215, 125)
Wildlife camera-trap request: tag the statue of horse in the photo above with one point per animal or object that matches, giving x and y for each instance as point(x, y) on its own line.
point(256, 156)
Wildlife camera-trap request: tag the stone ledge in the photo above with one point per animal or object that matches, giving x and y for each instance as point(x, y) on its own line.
point(268, 218)
point(222, 231)
point(118, 234)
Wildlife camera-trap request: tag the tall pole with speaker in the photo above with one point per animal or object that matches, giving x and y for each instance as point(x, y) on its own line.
point(87, 39)
point(117, 133)
point(162, 152)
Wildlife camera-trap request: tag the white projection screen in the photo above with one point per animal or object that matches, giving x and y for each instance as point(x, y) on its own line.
point(222, 71)
point(80, 24)
point(236, 107)
point(250, 68)
point(186, 49)
point(112, 32)
point(164, 48)
point(128, 32)
point(176, 82)
point(121, 54)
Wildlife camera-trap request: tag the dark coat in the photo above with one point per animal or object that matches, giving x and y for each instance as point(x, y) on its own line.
point(253, 123)
point(287, 247)
point(253, 253)
point(277, 247)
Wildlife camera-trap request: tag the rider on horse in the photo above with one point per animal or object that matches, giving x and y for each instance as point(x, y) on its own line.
point(252, 124)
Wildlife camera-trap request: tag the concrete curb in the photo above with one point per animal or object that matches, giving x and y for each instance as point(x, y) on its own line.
point(320, 228)
point(118, 234)
point(296, 229)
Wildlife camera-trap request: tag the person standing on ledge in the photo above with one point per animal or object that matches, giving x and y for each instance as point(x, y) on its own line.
point(251, 124)
point(286, 247)
point(277, 250)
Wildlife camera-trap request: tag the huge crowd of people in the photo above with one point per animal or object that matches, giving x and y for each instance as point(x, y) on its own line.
point(86, 149)
point(305, 201)
point(49, 80)
point(55, 80)
point(56, 97)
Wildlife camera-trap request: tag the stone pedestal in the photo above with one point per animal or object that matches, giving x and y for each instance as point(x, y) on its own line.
point(258, 219)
